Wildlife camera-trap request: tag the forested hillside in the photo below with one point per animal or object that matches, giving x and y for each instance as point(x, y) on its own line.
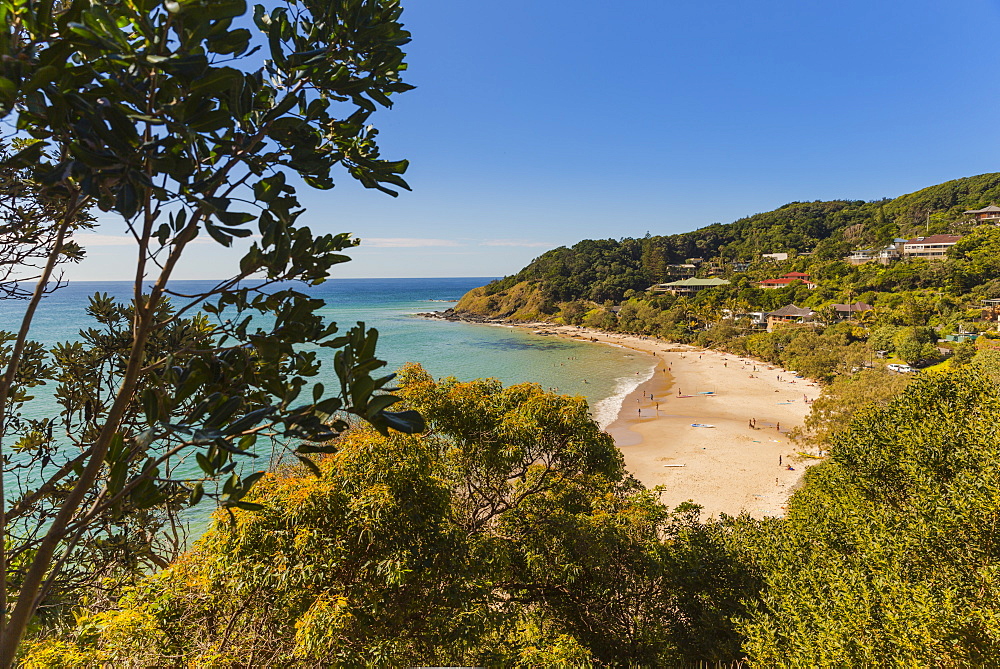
point(607, 269)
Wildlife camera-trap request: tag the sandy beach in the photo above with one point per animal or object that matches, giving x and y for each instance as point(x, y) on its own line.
point(688, 428)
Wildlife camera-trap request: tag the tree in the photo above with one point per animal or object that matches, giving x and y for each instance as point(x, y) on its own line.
point(30, 232)
point(889, 551)
point(914, 344)
point(847, 395)
point(964, 353)
point(140, 109)
point(509, 534)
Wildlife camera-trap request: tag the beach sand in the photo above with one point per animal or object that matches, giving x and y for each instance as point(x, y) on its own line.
point(727, 468)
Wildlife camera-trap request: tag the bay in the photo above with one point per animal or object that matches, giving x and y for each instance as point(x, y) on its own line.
point(602, 374)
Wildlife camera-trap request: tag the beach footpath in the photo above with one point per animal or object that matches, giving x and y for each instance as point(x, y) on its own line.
point(711, 427)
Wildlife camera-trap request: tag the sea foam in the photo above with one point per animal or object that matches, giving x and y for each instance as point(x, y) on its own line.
point(606, 411)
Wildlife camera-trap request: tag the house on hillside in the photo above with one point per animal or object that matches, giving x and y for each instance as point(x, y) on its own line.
point(787, 279)
point(688, 286)
point(891, 252)
point(986, 214)
point(991, 309)
point(681, 271)
point(845, 311)
point(861, 256)
point(757, 319)
point(789, 314)
point(777, 257)
point(934, 247)
point(885, 256)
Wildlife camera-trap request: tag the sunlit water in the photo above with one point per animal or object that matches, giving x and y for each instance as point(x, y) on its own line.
point(602, 374)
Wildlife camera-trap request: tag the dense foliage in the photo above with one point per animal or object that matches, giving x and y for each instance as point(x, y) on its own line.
point(510, 535)
point(599, 270)
point(184, 122)
point(891, 550)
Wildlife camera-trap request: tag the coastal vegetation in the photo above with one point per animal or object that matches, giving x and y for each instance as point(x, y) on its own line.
point(609, 269)
point(184, 122)
point(471, 523)
point(510, 535)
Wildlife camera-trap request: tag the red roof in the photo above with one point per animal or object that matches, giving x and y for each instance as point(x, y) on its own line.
point(797, 275)
point(935, 239)
point(777, 282)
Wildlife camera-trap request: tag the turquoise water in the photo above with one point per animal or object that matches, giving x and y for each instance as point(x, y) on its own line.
point(466, 351)
point(602, 374)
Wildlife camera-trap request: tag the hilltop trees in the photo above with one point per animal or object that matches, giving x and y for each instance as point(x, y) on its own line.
point(141, 109)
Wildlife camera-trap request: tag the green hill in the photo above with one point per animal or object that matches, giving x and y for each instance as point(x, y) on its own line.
point(607, 269)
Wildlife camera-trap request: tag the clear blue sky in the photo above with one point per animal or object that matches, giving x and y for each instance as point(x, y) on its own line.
point(539, 123)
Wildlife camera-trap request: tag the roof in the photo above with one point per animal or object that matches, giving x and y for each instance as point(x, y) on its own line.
point(992, 209)
point(935, 239)
point(784, 281)
point(792, 310)
point(797, 275)
point(856, 307)
point(697, 282)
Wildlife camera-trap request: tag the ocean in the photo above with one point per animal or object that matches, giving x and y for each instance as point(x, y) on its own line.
point(602, 374)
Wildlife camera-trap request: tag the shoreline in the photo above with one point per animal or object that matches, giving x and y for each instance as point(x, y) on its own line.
point(724, 464)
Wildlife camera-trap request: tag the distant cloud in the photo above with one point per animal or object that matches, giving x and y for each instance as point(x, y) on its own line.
point(514, 242)
point(92, 239)
point(406, 242)
point(96, 239)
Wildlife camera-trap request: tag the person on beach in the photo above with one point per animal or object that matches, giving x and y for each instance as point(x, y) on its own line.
point(779, 460)
point(778, 427)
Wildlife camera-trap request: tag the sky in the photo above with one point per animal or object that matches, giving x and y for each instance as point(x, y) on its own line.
point(539, 123)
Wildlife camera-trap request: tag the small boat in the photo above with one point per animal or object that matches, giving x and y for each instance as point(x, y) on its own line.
point(701, 425)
